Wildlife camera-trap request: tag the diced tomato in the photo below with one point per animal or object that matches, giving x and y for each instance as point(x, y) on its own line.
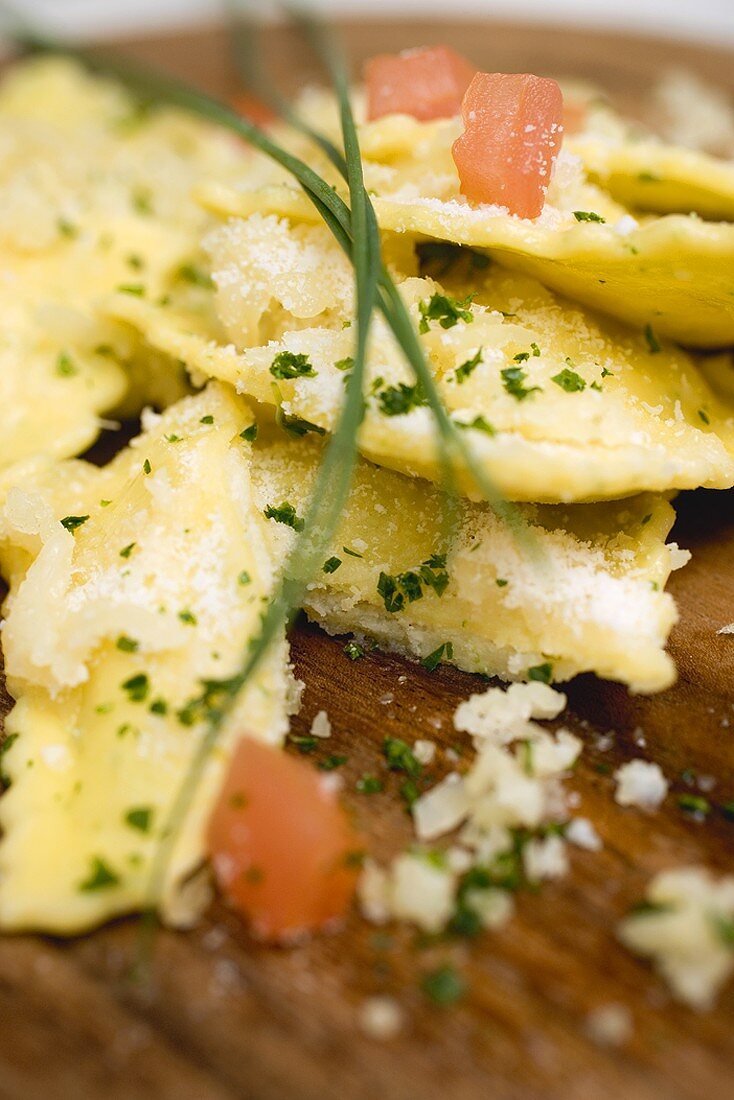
point(253, 109)
point(283, 849)
point(426, 83)
point(513, 127)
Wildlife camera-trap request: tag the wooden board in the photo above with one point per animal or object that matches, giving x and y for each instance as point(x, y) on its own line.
point(223, 1017)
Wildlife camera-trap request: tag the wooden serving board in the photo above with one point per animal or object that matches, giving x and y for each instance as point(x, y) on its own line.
point(223, 1017)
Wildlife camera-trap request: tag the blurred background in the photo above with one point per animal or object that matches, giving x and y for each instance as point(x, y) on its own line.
point(702, 20)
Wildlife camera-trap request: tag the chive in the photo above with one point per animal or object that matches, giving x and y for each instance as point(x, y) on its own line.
point(694, 804)
point(296, 425)
point(704, 416)
point(136, 289)
point(351, 553)
point(652, 341)
point(331, 565)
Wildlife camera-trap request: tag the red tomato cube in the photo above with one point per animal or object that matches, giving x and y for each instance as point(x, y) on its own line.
point(513, 127)
point(283, 849)
point(426, 83)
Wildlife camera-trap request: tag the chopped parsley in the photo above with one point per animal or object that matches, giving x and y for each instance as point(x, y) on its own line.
point(588, 216)
point(67, 229)
point(249, 434)
point(351, 553)
point(369, 784)
point(725, 930)
point(305, 745)
point(444, 986)
point(652, 341)
point(444, 309)
point(173, 438)
point(65, 365)
point(569, 381)
point(159, 706)
point(73, 523)
point(127, 550)
point(139, 817)
point(284, 513)
point(330, 763)
point(513, 379)
point(188, 617)
point(288, 364)
point(331, 565)
point(136, 289)
point(137, 687)
point(344, 364)
point(542, 673)
point(461, 373)
point(409, 793)
point(401, 399)
point(141, 200)
point(209, 419)
point(479, 424)
point(400, 588)
point(501, 582)
point(147, 468)
point(400, 758)
point(353, 651)
point(244, 578)
point(433, 660)
point(694, 804)
point(127, 645)
point(100, 877)
point(191, 273)
point(704, 416)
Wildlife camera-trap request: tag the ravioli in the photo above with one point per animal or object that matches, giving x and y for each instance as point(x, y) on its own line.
point(94, 195)
point(569, 590)
point(671, 271)
point(156, 581)
point(557, 405)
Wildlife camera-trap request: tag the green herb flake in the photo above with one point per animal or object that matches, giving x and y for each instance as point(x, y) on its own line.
point(433, 660)
point(401, 399)
point(296, 425)
point(704, 416)
point(137, 687)
point(588, 216)
point(188, 617)
point(141, 199)
point(147, 468)
point(478, 424)
point(724, 927)
point(244, 578)
point(249, 434)
point(127, 645)
point(409, 793)
point(136, 289)
point(407, 587)
point(159, 706)
point(67, 229)
point(344, 364)
point(288, 364)
point(209, 419)
point(127, 550)
point(173, 438)
point(694, 804)
point(652, 341)
point(139, 817)
point(513, 379)
point(286, 514)
point(351, 553)
point(543, 673)
point(521, 357)
point(331, 763)
point(191, 273)
point(73, 523)
point(369, 784)
point(354, 651)
point(305, 745)
point(501, 582)
point(535, 350)
point(331, 565)
point(727, 810)
point(400, 758)
point(466, 369)
point(446, 310)
point(100, 877)
point(646, 519)
point(65, 365)
point(569, 381)
point(444, 986)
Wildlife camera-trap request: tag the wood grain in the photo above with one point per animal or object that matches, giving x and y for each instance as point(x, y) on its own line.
point(222, 1017)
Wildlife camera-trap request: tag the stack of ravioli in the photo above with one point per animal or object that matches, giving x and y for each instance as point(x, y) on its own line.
point(150, 261)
